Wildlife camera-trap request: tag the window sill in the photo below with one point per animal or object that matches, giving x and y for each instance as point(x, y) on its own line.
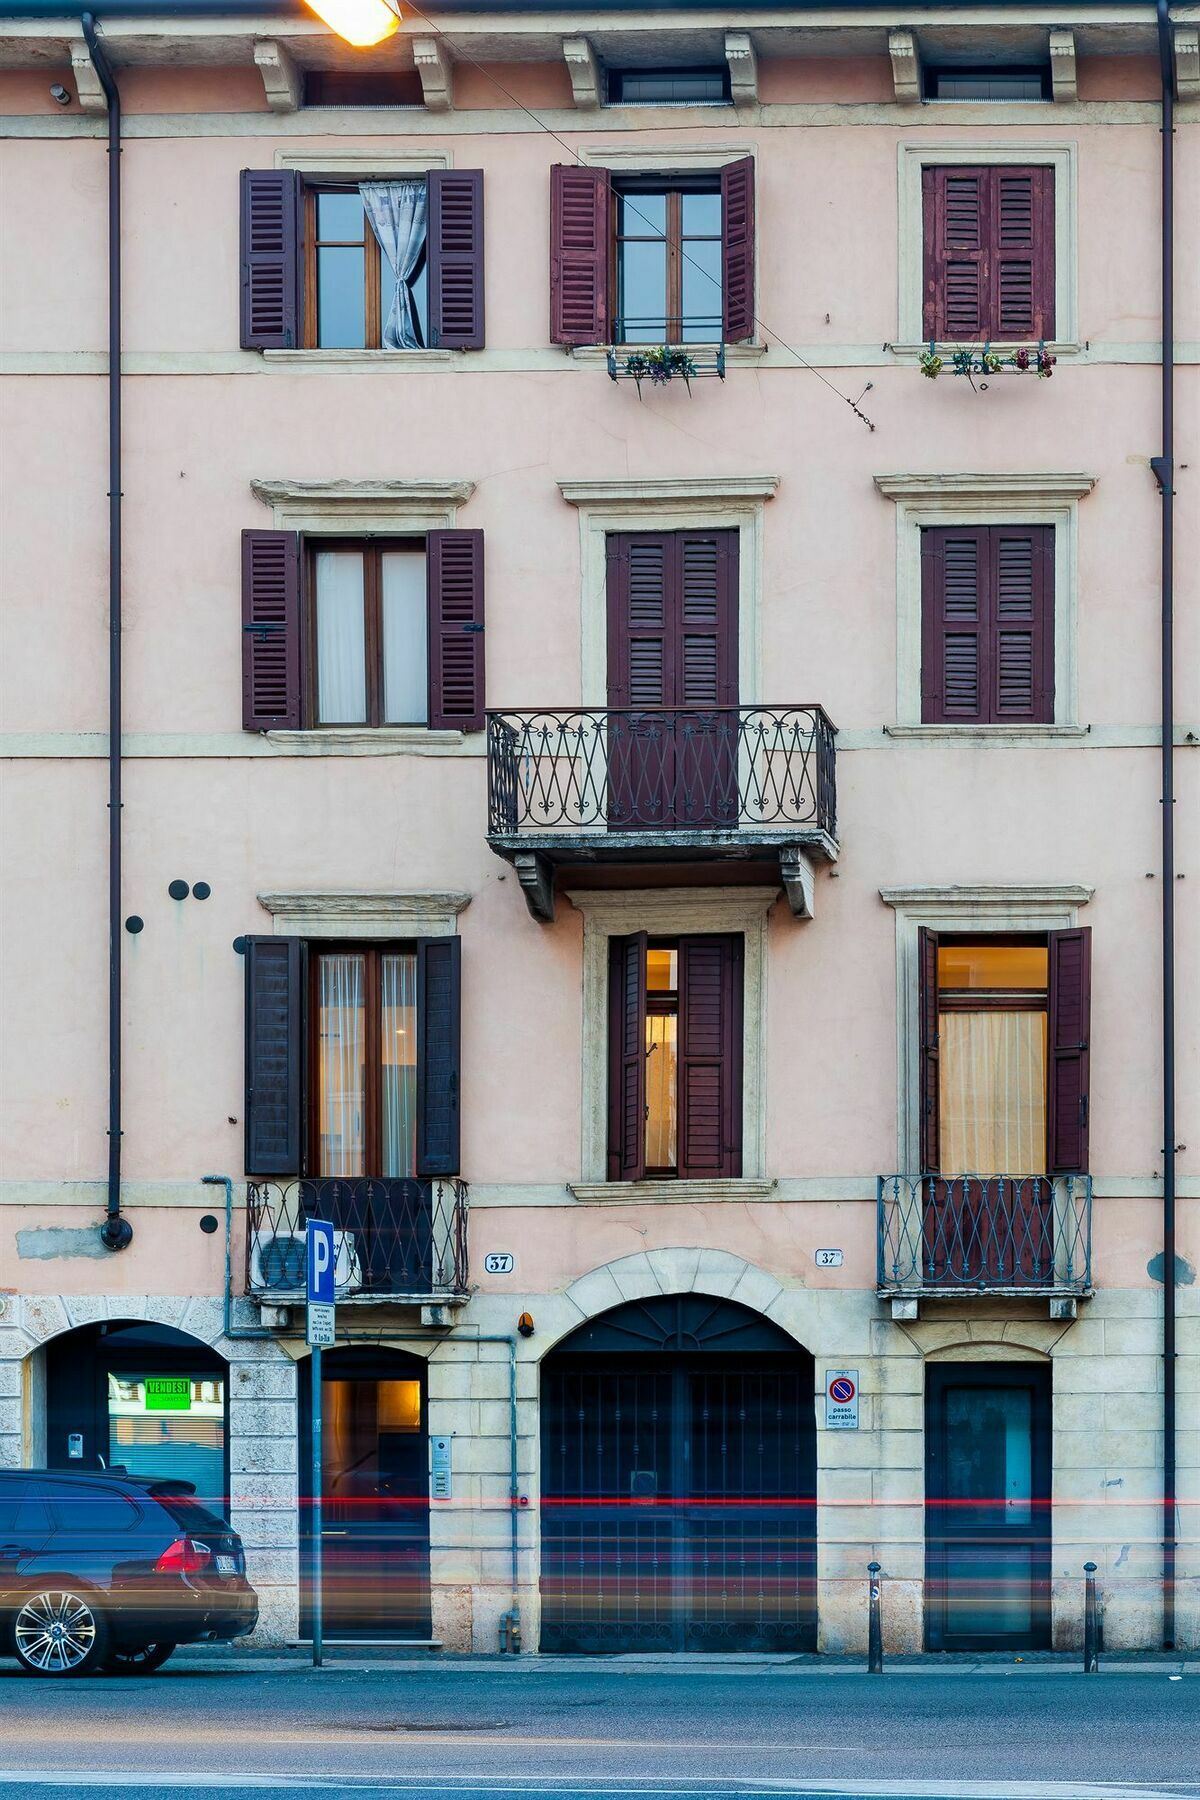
point(657, 1193)
point(386, 740)
point(911, 352)
point(595, 356)
point(990, 734)
point(359, 359)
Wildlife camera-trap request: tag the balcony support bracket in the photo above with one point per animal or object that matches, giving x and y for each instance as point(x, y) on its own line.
point(905, 1310)
point(536, 876)
point(1064, 1306)
point(798, 874)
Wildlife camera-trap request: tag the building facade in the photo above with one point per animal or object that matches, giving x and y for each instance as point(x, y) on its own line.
point(640, 802)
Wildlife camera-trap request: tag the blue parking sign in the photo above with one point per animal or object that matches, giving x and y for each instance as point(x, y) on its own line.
point(321, 1290)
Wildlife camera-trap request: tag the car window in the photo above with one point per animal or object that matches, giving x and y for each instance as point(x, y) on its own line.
point(11, 1495)
point(24, 1518)
point(90, 1509)
point(189, 1513)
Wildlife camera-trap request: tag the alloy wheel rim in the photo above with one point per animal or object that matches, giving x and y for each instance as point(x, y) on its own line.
point(55, 1632)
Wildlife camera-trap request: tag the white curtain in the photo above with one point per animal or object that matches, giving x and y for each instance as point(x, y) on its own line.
point(992, 1093)
point(341, 638)
point(398, 982)
point(661, 1088)
point(396, 210)
point(343, 1065)
point(405, 638)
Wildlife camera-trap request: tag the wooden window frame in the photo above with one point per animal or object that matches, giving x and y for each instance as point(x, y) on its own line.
point(673, 187)
point(372, 550)
point(663, 1003)
point(372, 255)
point(1001, 1000)
point(373, 954)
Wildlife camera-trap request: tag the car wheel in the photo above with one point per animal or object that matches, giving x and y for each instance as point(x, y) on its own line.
point(60, 1631)
point(138, 1659)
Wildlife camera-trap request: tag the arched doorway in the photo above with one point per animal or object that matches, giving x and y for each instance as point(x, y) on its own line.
point(134, 1395)
point(374, 1494)
point(678, 1482)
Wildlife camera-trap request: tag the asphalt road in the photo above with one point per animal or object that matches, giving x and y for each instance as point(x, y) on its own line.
point(494, 1732)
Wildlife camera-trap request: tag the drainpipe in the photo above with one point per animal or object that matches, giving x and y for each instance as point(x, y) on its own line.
point(116, 1232)
point(1163, 466)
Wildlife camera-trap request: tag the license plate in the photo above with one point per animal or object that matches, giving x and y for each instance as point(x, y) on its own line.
point(227, 1565)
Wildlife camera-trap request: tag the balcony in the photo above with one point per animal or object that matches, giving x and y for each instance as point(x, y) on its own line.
point(398, 1242)
point(696, 786)
point(1028, 1236)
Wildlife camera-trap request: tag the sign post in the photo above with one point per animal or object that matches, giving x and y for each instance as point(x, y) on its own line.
point(319, 1328)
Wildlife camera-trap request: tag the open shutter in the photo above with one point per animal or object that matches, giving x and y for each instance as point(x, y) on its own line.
point(271, 630)
point(927, 1025)
point(276, 984)
point(439, 1008)
point(627, 1058)
point(454, 574)
point(456, 258)
point(1021, 659)
point(1021, 263)
point(271, 235)
point(710, 1061)
point(955, 227)
point(955, 625)
point(579, 244)
point(1070, 1030)
point(737, 250)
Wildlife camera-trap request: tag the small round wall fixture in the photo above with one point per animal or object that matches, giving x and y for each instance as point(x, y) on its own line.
point(239, 944)
point(179, 890)
point(134, 924)
point(210, 1223)
point(200, 890)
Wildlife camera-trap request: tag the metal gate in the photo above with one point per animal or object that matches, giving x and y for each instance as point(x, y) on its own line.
point(678, 1484)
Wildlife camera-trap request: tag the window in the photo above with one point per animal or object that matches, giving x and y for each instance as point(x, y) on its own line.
point(668, 87)
point(675, 1057)
point(90, 1510)
point(393, 636)
point(364, 1104)
point(662, 258)
point(987, 624)
point(988, 83)
point(356, 87)
point(1004, 1071)
point(355, 296)
point(988, 254)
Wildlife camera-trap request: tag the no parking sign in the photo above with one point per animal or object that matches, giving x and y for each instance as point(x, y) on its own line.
point(841, 1399)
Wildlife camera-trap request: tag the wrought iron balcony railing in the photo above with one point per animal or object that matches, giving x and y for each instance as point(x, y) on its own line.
point(667, 770)
point(393, 1238)
point(990, 1233)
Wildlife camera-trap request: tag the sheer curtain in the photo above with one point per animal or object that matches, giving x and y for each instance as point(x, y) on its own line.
point(343, 1064)
point(341, 638)
point(405, 608)
point(993, 1093)
point(398, 986)
point(396, 210)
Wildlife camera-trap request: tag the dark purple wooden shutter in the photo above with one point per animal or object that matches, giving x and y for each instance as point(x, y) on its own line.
point(271, 624)
point(1021, 657)
point(954, 625)
point(988, 254)
point(955, 227)
point(1070, 1030)
point(1021, 301)
point(454, 574)
point(642, 639)
point(706, 658)
point(456, 258)
point(627, 1058)
point(276, 969)
point(987, 624)
point(439, 1033)
point(927, 1026)
point(271, 237)
point(737, 250)
point(710, 1058)
point(579, 246)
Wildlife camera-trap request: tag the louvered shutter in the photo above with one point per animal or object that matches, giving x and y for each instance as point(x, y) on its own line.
point(627, 1058)
point(955, 226)
point(1021, 659)
point(276, 984)
point(710, 1058)
point(270, 254)
point(929, 1096)
point(439, 1034)
point(1070, 1030)
point(706, 657)
point(737, 250)
point(271, 625)
point(988, 254)
point(454, 575)
point(456, 258)
point(1021, 302)
point(579, 247)
point(642, 638)
point(954, 625)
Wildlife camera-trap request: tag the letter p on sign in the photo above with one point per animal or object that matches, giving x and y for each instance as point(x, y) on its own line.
point(320, 1263)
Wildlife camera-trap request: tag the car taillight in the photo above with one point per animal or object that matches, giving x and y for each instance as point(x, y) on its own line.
point(184, 1557)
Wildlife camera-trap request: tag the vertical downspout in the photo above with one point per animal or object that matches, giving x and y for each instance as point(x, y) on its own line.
point(1163, 466)
point(116, 1232)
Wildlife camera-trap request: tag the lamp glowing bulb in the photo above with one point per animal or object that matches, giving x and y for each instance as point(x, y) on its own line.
point(358, 22)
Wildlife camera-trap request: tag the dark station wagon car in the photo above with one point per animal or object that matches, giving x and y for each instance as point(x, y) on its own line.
point(105, 1571)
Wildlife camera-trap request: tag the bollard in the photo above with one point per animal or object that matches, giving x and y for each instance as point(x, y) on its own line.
point(874, 1624)
point(1091, 1646)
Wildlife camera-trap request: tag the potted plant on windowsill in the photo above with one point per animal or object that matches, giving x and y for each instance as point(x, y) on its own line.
point(660, 365)
point(975, 363)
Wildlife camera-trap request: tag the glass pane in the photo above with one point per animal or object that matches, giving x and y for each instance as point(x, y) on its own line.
point(660, 1090)
point(989, 1590)
point(170, 1427)
point(341, 299)
point(701, 215)
point(989, 1437)
point(994, 966)
point(992, 1093)
point(341, 1067)
point(340, 218)
point(90, 1510)
point(643, 291)
point(399, 1056)
point(662, 970)
point(365, 1460)
point(701, 291)
point(341, 638)
point(405, 638)
point(643, 215)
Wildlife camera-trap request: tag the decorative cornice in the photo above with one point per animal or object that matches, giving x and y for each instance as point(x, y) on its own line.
point(282, 81)
point(906, 66)
point(657, 491)
point(584, 71)
point(743, 68)
point(436, 72)
point(667, 907)
point(1001, 895)
point(373, 914)
point(997, 488)
point(1062, 65)
point(362, 505)
point(669, 1193)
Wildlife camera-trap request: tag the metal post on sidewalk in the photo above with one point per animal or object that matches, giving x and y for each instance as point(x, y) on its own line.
point(874, 1624)
point(318, 1569)
point(1091, 1642)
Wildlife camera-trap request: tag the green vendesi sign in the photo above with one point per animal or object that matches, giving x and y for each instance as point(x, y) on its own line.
point(168, 1393)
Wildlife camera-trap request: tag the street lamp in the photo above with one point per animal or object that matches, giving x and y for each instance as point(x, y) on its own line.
point(359, 22)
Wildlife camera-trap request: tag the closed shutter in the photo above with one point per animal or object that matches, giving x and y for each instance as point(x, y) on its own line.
point(1022, 292)
point(627, 1058)
point(641, 619)
point(988, 254)
point(271, 625)
point(454, 574)
point(456, 258)
point(1070, 1030)
point(276, 985)
point(706, 654)
point(955, 227)
point(737, 250)
point(579, 248)
point(270, 256)
point(439, 1031)
point(929, 1069)
point(710, 1057)
point(1022, 627)
point(987, 625)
